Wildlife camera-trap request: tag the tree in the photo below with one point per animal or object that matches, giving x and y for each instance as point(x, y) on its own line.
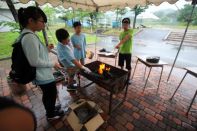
point(68, 15)
point(14, 27)
point(138, 9)
point(185, 12)
point(93, 16)
point(50, 13)
point(81, 14)
point(120, 12)
point(167, 16)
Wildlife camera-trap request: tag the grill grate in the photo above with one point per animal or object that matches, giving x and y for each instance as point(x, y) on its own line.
point(114, 81)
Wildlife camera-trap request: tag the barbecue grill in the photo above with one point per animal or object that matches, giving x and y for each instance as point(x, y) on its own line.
point(114, 80)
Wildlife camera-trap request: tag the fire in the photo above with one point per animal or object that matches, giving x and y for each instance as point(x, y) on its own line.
point(103, 68)
point(107, 69)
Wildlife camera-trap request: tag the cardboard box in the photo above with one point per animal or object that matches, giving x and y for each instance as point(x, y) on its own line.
point(92, 123)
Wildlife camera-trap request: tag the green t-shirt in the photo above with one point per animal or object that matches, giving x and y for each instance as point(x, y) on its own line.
point(126, 48)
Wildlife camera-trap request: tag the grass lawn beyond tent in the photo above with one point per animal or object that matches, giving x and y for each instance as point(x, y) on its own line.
point(7, 39)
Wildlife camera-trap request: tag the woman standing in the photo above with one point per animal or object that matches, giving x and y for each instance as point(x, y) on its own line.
point(33, 19)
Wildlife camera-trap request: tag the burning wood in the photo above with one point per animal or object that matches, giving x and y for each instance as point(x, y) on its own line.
point(103, 68)
point(106, 76)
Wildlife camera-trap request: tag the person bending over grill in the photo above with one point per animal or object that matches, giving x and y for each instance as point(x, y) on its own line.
point(125, 45)
point(65, 52)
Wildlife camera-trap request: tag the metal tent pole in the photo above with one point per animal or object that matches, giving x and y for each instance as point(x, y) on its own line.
point(12, 9)
point(95, 51)
point(188, 23)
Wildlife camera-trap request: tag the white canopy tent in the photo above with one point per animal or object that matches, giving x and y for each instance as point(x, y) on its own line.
point(101, 5)
point(105, 5)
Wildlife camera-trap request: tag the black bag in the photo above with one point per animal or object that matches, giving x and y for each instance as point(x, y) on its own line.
point(21, 71)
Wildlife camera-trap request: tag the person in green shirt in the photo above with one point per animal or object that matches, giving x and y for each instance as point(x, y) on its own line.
point(125, 45)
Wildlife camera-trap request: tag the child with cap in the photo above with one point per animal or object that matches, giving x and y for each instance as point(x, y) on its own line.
point(125, 45)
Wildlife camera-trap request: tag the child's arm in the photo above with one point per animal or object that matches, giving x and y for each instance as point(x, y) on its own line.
point(127, 37)
point(77, 64)
point(80, 66)
point(85, 43)
point(77, 46)
point(85, 40)
point(74, 44)
point(50, 47)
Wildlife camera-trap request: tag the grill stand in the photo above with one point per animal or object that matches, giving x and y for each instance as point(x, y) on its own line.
point(110, 109)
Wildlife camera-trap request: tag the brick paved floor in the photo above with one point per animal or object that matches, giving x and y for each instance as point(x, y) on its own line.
point(150, 110)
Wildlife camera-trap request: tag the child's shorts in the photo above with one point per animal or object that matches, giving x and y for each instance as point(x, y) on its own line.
point(72, 71)
point(127, 58)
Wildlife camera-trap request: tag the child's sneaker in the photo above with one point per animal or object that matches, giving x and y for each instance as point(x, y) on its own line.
point(58, 107)
point(56, 115)
point(71, 88)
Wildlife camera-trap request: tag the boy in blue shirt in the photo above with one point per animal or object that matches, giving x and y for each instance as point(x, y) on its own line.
point(66, 57)
point(79, 42)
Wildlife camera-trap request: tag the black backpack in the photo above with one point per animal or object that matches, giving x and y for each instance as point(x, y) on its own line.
point(21, 71)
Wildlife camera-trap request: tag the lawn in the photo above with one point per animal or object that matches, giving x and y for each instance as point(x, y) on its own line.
point(90, 38)
point(7, 39)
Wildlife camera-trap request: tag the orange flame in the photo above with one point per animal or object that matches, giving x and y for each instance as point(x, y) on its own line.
point(102, 67)
point(107, 69)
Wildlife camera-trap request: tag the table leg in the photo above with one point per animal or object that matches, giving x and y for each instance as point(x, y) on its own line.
point(125, 95)
point(135, 68)
point(160, 76)
point(178, 86)
point(147, 78)
point(191, 102)
point(119, 103)
point(79, 80)
point(98, 58)
point(115, 60)
point(145, 72)
point(110, 103)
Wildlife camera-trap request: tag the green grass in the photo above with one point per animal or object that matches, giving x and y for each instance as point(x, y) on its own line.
point(90, 38)
point(7, 38)
point(6, 41)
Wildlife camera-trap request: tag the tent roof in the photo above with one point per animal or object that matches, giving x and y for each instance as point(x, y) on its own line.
point(101, 5)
